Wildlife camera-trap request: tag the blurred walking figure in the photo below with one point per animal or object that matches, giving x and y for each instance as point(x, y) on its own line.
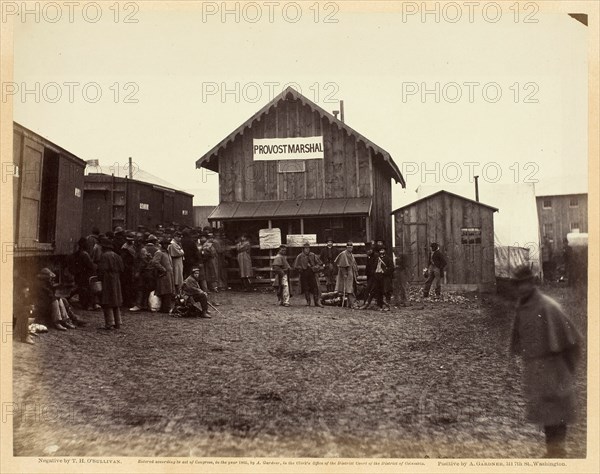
point(347, 272)
point(308, 265)
point(281, 283)
point(437, 263)
point(110, 267)
point(327, 256)
point(245, 262)
point(177, 255)
point(549, 345)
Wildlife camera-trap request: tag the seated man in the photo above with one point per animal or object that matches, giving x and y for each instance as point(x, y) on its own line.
point(52, 307)
point(195, 295)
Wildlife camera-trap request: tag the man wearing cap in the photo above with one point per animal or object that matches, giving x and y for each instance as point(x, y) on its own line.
point(82, 268)
point(196, 296)
point(177, 255)
point(549, 344)
point(327, 256)
point(119, 239)
point(437, 263)
point(110, 268)
point(281, 267)
point(128, 254)
point(308, 265)
point(347, 273)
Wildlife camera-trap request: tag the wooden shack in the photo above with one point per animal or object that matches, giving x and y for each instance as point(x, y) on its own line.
point(110, 201)
point(296, 167)
point(47, 197)
point(464, 230)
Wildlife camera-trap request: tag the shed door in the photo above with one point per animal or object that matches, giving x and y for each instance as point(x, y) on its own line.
point(31, 193)
point(415, 245)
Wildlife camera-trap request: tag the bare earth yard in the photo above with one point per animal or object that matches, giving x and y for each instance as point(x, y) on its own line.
point(430, 380)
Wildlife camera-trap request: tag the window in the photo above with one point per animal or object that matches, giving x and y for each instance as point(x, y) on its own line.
point(547, 204)
point(549, 230)
point(574, 202)
point(470, 235)
point(575, 227)
point(291, 166)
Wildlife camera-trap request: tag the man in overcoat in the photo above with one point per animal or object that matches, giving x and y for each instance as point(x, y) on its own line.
point(549, 344)
point(281, 268)
point(110, 268)
point(165, 287)
point(308, 264)
point(327, 256)
point(347, 273)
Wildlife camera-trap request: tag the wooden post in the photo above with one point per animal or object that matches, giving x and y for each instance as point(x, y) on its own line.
point(302, 225)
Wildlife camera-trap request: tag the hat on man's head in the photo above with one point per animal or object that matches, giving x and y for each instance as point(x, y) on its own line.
point(152, 238)
point(105, 243)
point(349, 243)
point(306, 244)
point(130, 236)
point(118, 229)
point(46, 274)
point(523, 273)
point(283, 246)
point(195, 269)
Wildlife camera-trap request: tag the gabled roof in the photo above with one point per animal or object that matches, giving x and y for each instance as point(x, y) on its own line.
point(208, 159)
point(449, 194)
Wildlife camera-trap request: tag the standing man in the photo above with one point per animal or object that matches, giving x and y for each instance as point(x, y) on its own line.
point(209, 255)
point(177, 255)
point(347, 273)
point(549, 345)
point(281, 267)
point(192, 258)
point(128, 254)
point(437, 263)
point(110, 268)
point(384, 272)
point(245, 262)
point(165, 288)
point(82, 268)
point(308, 265)
point(327, 256)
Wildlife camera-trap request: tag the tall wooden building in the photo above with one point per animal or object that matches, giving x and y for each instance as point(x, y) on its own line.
point(296, 167)
point(559, 215)
point(464, 230)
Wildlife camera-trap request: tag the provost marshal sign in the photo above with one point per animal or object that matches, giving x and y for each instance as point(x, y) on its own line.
point(297, 148)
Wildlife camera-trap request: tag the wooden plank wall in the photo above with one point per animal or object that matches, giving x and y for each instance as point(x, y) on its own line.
point(381, 219)
point(344, 172)
point(440, 220)
point(69, 207)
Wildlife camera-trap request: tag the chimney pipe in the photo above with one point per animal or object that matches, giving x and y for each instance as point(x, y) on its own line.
point(335, 113)
point(130, 168)
point(476, 188)
point(342, 110)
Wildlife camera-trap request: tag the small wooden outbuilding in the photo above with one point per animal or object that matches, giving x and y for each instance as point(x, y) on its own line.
point(464, 230)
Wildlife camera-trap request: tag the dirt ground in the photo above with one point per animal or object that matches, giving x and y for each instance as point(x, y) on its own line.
point(431, 380)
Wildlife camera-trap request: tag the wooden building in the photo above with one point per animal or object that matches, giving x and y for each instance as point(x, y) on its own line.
point(110, 201)
point(47, 197)
point(201, 214)
point(342, 190)
point(464, 230)
point(559, 215)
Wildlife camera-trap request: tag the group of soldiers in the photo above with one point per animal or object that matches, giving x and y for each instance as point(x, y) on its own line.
point(341, 276)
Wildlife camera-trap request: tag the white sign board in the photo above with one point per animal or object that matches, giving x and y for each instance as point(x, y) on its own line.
point(298, 240)
point(269, 238)
point(297, 148)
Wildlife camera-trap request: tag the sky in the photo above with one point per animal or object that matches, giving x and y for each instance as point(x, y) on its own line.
point(507, 101)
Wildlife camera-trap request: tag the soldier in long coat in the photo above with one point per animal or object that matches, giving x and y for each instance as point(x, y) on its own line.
point(549, 345)
point(347, 273)
point(245, 262)
point(110, 267)
point(177, 255)
point(327, 256)
point(164, 282)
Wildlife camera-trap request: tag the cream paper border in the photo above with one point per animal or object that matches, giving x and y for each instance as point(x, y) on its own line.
point(10, 464)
